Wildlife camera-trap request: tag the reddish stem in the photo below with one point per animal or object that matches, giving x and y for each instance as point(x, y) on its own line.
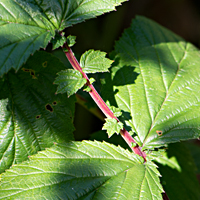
point(165, 197)
point(101, 104)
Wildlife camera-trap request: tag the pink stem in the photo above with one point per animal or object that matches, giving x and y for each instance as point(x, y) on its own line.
point(101, 104)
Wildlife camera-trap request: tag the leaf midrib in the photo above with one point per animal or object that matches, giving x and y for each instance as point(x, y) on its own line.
point(167, 91)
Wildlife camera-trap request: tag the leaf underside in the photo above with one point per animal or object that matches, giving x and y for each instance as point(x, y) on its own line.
point(26, 26)
point(156, 80)
point(82, 170)
point(32, 116)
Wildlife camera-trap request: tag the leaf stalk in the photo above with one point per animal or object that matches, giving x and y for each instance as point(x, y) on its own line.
point(101, 104)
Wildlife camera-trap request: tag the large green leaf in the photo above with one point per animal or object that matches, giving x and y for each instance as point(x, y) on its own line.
point(156, 80)
point(82, 170)
point(179, 183)
point(32, 116)
point(26, 26)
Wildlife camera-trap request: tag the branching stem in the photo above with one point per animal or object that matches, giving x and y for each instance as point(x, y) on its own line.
point(100, 102)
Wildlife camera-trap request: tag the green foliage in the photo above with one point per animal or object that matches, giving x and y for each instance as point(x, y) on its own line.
point(95, 61)
point(69, 81)
point(153, 87)
point(107, 171)
point(29, 25)
point(163, 101)
point(32, 116)
point(58, 41)
point(112, 126)
point(71, 40)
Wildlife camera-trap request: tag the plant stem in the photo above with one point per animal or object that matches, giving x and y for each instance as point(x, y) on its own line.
point(101, 104)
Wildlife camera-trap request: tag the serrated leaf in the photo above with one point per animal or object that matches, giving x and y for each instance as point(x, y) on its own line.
point(71, 40)
point(58, 41)
point(116, 111)
point(112, 126)
point(94, 61)
point(69, 81)
point(32, 116)
point(180, 183)
point(80, 170)
point(29, 25)
point(24, 29)
point(157, 82)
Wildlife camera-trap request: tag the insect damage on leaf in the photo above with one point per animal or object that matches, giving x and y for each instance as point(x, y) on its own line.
point(44, 64)
point(31, 71)
point(159, 132)
point(55, 103)
point(49, 108)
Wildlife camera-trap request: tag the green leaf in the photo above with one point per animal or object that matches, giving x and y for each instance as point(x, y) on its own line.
point(58, 41)
point(69, 81)
point(179, 183)
point(32, 116)
point(112, 126)
point(29, 25)
point(116, 111)
point(82, 170)
point(71, 40)
point(94, 61)
point(156, 80)
point(24, 29)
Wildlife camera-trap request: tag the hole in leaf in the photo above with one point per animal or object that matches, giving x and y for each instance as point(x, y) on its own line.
point(38, 116)
point(159, 132)
point(49, 108)
point(26, 70)
point(54, 103)
point(44, 64)
point(32, 72)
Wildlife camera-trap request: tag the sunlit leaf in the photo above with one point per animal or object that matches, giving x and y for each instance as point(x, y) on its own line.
point(156, 79)
point(80, 170)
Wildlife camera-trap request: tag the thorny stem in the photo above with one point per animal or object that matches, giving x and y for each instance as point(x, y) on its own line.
point(101, 104)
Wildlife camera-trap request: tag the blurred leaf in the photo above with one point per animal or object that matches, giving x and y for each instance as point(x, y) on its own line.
point(32, 116)
point(82, 170)
point(180, 184)
point(195, 152)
